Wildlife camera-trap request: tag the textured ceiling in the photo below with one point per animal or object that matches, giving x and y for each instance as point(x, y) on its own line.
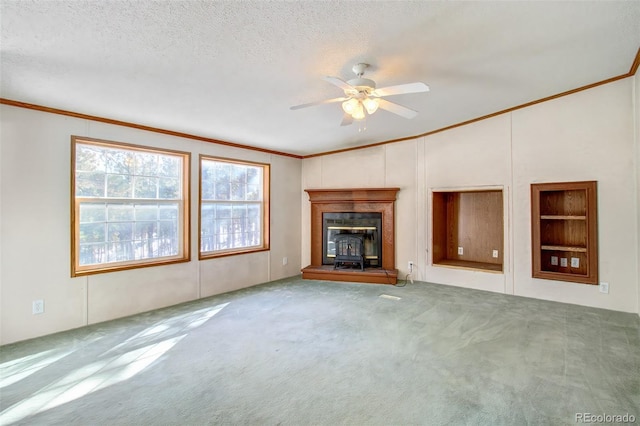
point(231, 70)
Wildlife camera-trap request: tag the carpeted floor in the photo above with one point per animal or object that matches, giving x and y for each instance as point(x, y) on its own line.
point(297, 352)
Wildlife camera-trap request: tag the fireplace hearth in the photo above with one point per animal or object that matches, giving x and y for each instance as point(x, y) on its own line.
point(364, 214)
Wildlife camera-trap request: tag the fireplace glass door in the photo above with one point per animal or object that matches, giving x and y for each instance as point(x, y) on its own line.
point(369, 225)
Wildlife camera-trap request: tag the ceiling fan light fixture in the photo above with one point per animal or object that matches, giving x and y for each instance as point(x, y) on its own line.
point(350, 106)
point(371, 104)
point(358, 114)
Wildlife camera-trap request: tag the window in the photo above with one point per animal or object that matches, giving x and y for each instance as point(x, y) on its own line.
point(130, 206)
point(234, 207)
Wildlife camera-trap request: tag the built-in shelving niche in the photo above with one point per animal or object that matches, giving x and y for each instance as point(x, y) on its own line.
point(468, 229)
point(564, 231)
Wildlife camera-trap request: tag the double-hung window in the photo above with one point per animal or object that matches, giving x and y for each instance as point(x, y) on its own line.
point(130, 206)
point(234, 207)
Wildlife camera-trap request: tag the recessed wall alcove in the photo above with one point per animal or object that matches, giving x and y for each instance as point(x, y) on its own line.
point(339, 210)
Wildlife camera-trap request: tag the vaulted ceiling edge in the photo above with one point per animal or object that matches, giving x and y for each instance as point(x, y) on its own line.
point(15, 103)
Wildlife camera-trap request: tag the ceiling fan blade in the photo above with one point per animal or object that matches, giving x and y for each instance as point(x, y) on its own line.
point(397, 109)
point(339, 82)
point(328, 101)
point(401, 89)
point(346, 120)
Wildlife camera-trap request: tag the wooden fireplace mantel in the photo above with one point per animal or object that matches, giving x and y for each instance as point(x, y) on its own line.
point(359, 195)
point(357, 200)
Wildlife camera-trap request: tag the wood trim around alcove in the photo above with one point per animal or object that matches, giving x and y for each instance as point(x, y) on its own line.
point(357, 200)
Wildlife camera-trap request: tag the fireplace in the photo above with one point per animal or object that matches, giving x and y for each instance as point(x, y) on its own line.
point(367, 225)
point(367, 214)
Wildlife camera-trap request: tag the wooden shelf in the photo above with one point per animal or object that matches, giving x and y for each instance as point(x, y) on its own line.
point(466, 264)
point(561, 217)
point(564, 231)
point(565, 248)
point(471, 220)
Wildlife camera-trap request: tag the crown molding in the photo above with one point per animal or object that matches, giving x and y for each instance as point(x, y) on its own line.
point(141, 127)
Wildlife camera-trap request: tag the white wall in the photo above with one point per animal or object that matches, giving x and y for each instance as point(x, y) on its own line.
point(636, 116)
point(585, 136)
point(35, 229)
point(476, 156)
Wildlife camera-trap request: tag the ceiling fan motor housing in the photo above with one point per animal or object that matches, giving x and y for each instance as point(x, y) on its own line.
point(362, 82)
point(363, 85)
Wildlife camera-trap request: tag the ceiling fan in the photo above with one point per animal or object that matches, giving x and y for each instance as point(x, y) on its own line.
point(360, 95)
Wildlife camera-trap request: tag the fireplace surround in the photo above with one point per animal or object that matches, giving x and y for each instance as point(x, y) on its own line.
point(365, 211)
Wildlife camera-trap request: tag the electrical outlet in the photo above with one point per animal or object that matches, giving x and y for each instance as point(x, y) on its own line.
point(604, 288)
point(495, 253)
point(284, 261)
point(554, 260)
point(575, 262)
point(410, 266)
point(37, 307)
point(460, 251)
point(563, 262)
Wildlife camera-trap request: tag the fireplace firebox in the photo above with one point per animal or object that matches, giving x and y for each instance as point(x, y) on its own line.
point(365, 225)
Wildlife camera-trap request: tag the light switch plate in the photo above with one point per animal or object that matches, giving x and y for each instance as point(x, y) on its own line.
point(554, 260)
point(575, 262)
point(563, 262)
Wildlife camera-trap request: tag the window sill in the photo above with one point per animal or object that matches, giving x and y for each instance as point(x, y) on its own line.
point(225, 253)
